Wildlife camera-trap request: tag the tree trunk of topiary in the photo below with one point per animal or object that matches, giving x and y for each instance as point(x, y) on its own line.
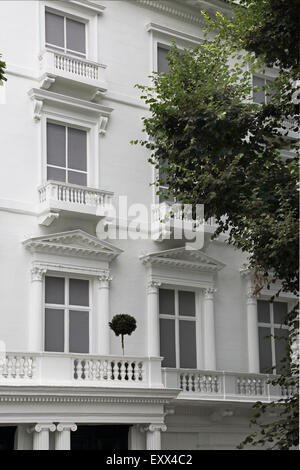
point(123, 344)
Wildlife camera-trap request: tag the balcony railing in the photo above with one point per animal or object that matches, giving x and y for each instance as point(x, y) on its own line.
point(172, 220)
point(56, 197)
point(57, 64)
point(215, 385)
point(61, 369)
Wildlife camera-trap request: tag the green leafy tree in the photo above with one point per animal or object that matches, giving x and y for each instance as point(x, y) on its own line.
point(123, 325)
point(213, 146)
point(2, 70)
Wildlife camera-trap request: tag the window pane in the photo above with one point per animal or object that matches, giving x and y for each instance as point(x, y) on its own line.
point(76, 149)
point(167, 342)
point(56, 144)
point(187, 344)
point(263, 311)
point(75, 36)
point(54, 330)
point(280, 311)
point(186, 303)
point(162, 61)
point(79, 332)
point(54, 29)
point(77, 178)
point(79, 292)
point(166, 302)
point(265, 353)
point(259, 95)
point(56, 174)
point(281, 337)
point(54, 290)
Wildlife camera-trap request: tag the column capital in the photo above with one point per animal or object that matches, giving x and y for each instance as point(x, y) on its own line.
point(37, 273)
point(66, 427)
point(209, 293)
point(251, 298)
point(104, 279)
point(153, 427)
point(39, 427)
point(153, 286)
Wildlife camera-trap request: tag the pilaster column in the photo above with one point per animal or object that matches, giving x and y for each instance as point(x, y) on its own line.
point(103, 346)
point(153, 435)
point(63, 435)
point(209, 329)
point(41, 435)
point(252, 333)
point(36, 314)
point(153, 318)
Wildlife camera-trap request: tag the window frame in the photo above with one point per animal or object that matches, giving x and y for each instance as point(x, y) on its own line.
point(64, 50)
point(66, 168)
point(67, 307)
point(263, 76)
point(176, 318)
point(272, 326)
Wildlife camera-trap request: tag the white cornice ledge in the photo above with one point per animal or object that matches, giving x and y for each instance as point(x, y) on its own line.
point(40, 97)
point(170, 9)
point(173, 33)
point(87, 5)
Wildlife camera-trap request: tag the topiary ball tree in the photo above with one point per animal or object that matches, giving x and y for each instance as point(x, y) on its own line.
point(122, 325)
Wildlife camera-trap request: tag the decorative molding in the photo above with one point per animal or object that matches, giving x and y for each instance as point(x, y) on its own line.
point(193, 260)
point(49, 97)
point(13, 399)
point(87, 5)
point(47, 81)
point(73, 243)
point(153, 286)
point(104, 279)
point(37, 272)
point(42, 427)
point(153, 427)
point(66, 427)
point(209, 293)
point(103, 121)
point(68, 268)
point(169, 9)
point(173, 33)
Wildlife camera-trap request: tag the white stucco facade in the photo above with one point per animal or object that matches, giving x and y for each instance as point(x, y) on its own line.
point(49, 228)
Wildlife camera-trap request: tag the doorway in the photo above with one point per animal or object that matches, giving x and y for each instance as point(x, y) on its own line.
point(100, 437)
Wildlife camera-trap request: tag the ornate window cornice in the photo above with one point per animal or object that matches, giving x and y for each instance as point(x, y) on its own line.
point(73, 243)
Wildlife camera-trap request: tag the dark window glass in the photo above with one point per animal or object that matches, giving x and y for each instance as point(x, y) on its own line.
point(79, 331)
point(79, 292)
point(280, 311)
point(265, 353)
point(167, 342)
point(187, 344)
point(281, 337)
point(54, 330)
point(186, 303)
point(75, 36)
point(166, 301)
point(54, 290)
point(56, 174)
point(77, 178)
point(54, 29)
point(56, 144)
point(77, 149)
point(263, 311)
point(162, 61)
point(259, 95)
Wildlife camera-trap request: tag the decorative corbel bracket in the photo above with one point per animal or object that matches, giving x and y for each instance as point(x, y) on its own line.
point(47, 218)
point(46, 81)
point(37, 109)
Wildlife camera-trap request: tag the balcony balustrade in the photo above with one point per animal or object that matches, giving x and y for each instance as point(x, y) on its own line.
point(57, 65)
point(231, 386)
point(60, 369)
point(56, 197)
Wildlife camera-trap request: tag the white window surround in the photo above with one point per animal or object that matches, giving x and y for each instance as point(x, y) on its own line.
point(75, 254)
point(80, 10)
point(69, 111)
point(187, 270)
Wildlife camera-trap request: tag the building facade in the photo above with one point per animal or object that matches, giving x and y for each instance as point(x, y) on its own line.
point(195, 364)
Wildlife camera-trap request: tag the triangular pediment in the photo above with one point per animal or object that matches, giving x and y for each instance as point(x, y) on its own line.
point(73, 243)
point(194, 260)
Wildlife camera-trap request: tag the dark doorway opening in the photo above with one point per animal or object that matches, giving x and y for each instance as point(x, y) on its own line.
point(7, 437)
point(100, 437)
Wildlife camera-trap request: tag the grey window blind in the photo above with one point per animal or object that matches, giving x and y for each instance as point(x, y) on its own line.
point(79, 331)
point(54, 330)
point(162, 61)
point(187, 344)
point(75, 36)
point(54, 29)
point(265, 352)
point(167, 342)
point(65, 34)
